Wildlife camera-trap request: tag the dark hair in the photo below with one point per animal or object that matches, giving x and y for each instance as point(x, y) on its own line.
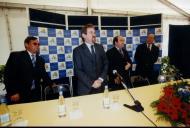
point(115, 39)
point(84, 29)
point(29, 38)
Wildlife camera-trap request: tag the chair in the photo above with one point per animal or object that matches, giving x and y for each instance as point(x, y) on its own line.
point(138, 81)
point(53, 92)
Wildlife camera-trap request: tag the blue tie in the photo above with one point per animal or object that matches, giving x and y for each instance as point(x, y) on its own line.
point(33, 63)
point(33, 60)
point(93, 52)
point(93, 57)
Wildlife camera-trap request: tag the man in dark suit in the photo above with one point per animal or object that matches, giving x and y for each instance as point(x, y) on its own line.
point(24, 71)
point(146, 55)
point(90, 63)
point(118, 60)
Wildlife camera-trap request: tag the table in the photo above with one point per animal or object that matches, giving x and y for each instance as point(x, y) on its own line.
point(44, 113)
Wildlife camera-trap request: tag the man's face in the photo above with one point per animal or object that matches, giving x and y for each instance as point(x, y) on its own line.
point(90, 36)
point(33, 46)
point(121, 42)
point(150, 39)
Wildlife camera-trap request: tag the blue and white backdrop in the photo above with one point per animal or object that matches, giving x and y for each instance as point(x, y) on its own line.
point(56, 46)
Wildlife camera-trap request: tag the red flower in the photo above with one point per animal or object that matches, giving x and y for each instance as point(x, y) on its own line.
point(168, 91)
point(174, 116)
point(173, 106)
point(186, 106)
point(162, 107)
point(176, 102)
point(184, 114)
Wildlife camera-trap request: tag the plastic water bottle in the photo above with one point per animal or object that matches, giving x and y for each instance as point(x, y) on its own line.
point(106, 99)
point(4, 115)
point(61, 105)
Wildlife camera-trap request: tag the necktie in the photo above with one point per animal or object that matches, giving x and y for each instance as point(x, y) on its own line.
point(149, 47)
point(121, 52)
point(93, 54)
point(33, 63)
point(33, 60)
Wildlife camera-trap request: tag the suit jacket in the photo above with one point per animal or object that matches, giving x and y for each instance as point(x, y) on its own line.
point(145, 59)
point(117, 62)
point(85, 70)
point(19, 74)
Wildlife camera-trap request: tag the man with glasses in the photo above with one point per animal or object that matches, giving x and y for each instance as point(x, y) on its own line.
point(119, 60)
point(24, 71)
point(90, 63)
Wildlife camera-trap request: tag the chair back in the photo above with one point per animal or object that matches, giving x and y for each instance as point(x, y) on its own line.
point(53, 92)
point(138, 81)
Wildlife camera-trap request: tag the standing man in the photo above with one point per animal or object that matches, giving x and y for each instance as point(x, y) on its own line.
point(24, 71)
point(146, 55)
point(90, 63)
point(118, 60)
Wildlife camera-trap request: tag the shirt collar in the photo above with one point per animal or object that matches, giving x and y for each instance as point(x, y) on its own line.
point(147, 45)
point(118, 48)
point(30, 54)
point(89, 45)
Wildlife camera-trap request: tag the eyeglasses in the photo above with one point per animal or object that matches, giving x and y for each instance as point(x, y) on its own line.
point(36, 44)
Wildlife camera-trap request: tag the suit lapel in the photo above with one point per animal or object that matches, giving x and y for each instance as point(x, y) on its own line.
point(117, 52)
point(87, 52)
point(28, 59)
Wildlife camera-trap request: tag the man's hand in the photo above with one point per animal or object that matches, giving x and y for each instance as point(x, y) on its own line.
point(117, 80)
point(127, 66)
point(15, 97)
point(97, 83)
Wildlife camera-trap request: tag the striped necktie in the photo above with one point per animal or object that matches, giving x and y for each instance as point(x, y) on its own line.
point(33, 60)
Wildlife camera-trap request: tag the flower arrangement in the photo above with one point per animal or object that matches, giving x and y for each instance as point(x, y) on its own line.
point(2, 68)
point(174, 104)
point(166, 68)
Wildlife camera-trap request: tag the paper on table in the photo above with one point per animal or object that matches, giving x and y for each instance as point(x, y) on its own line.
point(77, 114)
point(115, 106)
point(20, 123)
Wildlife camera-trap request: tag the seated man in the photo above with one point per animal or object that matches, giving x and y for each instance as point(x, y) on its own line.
point(24, 71)
point(118, 60)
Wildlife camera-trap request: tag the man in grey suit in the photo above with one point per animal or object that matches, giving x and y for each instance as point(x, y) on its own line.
point(90, 63)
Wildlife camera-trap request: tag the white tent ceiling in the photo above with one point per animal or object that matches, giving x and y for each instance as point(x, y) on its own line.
point(183, 4)
point(127, 7)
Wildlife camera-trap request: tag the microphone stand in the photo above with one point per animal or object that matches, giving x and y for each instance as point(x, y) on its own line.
point(137, 106)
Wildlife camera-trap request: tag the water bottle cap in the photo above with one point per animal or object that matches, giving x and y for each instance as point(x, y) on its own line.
point(60, 87)
point(60, 93)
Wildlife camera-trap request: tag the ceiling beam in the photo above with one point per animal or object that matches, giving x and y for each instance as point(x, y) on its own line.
point(175, 8)
point(43, 7)
point(118, 12)
point(89, 7)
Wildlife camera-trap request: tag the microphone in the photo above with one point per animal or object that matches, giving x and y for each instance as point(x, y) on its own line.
point(117, 74)
point(137, 106)
point(179, 76)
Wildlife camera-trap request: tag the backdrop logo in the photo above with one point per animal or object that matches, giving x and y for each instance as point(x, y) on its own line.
point(59, 33)
point(42, 31)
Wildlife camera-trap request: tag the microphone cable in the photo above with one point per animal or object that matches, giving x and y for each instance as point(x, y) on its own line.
point(149, 119)
point(142, 111)
point(134, 100)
